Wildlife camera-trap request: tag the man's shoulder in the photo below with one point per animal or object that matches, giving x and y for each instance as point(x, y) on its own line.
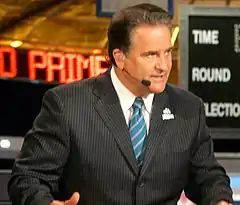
point(184, 98)
point(182, 94)
point(75, 89)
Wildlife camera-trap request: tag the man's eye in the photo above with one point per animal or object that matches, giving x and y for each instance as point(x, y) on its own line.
point(167, 53)
point(151, 55)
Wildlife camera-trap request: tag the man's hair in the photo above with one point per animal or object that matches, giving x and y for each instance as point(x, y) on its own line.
point(128, 19)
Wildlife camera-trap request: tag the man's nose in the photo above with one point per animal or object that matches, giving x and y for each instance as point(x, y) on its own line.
point(161, 63)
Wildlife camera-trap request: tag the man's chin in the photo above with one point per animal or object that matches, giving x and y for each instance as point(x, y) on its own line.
point(157, 88)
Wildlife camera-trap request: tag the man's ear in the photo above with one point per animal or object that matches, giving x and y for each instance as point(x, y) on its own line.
point(119, 58)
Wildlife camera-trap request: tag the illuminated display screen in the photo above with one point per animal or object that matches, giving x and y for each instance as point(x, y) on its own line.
point(49, 66)
point(25, 75)
point(214, 58)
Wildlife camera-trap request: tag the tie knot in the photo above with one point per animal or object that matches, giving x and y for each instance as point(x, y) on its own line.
point(138, 103)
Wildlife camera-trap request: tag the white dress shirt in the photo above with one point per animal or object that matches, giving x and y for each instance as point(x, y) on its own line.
point(127, 98)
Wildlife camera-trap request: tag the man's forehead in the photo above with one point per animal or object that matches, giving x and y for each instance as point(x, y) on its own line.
point(143, 38)
point(141, 29)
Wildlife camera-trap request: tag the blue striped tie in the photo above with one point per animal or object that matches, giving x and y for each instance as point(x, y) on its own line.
point(138, 129)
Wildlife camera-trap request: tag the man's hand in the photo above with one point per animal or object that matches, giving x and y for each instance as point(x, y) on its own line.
point(72, 201)
point(223, 203)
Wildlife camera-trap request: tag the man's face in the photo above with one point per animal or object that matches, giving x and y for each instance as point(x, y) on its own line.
point(149, 56)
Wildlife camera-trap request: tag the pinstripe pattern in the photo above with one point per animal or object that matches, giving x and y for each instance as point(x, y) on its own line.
point(80, 142)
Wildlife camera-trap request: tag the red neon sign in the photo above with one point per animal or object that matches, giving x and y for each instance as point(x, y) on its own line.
point(54, 66)
point(12, 72)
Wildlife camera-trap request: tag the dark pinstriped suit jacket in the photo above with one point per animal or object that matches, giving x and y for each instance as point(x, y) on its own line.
point(80, 142)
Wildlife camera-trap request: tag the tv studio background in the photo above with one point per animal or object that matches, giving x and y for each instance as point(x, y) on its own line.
point(50, 42)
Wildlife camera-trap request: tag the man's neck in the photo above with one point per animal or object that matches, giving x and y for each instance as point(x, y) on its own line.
point(131, 84)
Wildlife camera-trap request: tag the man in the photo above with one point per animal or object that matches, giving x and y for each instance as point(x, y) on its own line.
point(125, 137)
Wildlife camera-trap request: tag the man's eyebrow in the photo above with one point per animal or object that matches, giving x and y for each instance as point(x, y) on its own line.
point(155, 51)
point(170, 48)
point(150, 52)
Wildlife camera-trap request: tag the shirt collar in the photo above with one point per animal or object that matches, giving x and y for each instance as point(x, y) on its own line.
point(127, 98)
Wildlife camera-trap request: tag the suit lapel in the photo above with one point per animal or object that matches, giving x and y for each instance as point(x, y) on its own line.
point(108, 107)
point(157, 129)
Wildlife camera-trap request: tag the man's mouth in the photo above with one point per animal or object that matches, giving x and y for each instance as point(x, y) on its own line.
point(159, 77)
